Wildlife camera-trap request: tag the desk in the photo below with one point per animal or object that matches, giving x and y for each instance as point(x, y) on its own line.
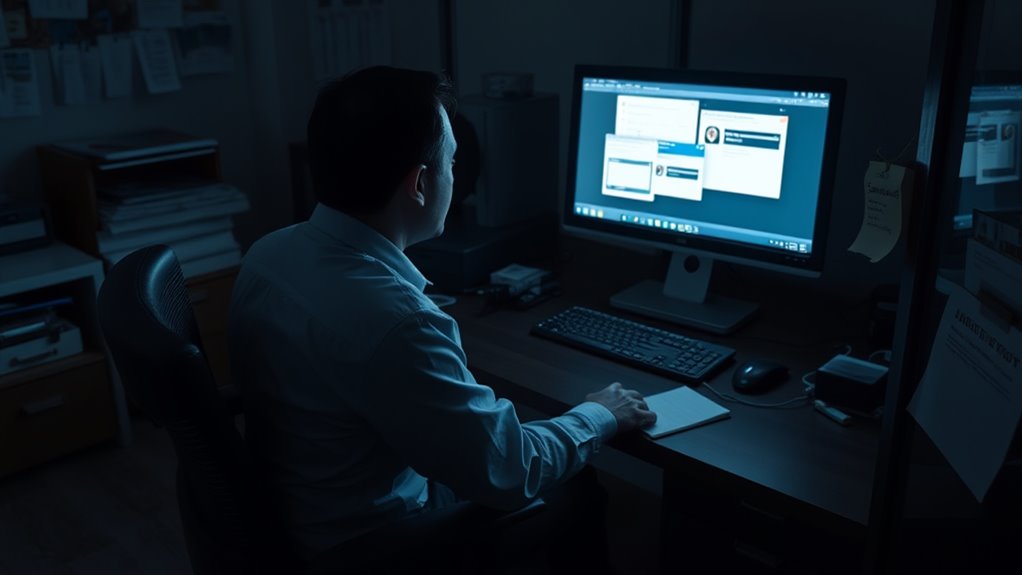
point(795, 465)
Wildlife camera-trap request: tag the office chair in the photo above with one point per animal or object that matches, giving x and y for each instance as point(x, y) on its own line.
point(229, 524)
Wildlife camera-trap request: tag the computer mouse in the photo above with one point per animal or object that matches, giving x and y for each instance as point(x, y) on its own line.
point(758, 376)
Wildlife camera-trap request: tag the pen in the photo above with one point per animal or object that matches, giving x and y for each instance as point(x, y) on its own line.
point(832, 412)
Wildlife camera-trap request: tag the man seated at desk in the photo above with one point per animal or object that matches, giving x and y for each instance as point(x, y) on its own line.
point(359, 400)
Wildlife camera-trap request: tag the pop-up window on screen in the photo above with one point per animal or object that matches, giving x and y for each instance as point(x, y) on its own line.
point(668, 119)
point(744, 152)
point(628, 167)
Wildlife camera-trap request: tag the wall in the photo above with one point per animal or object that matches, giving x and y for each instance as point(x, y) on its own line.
point(549, 38)
point(216, 105)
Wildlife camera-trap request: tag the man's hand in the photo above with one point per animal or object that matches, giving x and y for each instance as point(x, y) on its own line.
point(627, 405)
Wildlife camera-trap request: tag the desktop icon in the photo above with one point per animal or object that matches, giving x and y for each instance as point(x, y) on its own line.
point(656, 223)
point(674, 226)
point(578, 209)
point(599, 214)
point(585, 211)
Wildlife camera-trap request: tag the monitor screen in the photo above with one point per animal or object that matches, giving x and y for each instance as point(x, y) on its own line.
point(729, 166)
point(989, 171)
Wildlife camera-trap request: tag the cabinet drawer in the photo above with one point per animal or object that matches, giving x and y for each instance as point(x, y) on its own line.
point(55, 414)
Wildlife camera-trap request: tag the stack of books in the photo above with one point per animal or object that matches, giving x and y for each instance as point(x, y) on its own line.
point(191, 216)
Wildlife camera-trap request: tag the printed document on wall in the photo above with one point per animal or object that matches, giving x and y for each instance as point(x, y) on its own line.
point(20, 84)
point(118, 73)
point(4, 40)
point(58, 9)
point(156, 56)
point(970, 397)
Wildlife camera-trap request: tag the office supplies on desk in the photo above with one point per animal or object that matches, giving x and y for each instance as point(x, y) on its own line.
point(667, 353)
point(681, 408)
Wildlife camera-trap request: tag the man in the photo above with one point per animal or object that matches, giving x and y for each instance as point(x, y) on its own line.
point(358, 398)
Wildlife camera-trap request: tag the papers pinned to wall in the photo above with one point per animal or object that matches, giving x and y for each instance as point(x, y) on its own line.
point(348, 34)
point(156, 56)
point(4, 40)
point(159, 13)
point(59, 9)
point(77, 77)
point(115, 56)
point(19, 84)
point(205, 44)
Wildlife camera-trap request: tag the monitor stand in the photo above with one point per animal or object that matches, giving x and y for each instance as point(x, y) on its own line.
point(685, 298)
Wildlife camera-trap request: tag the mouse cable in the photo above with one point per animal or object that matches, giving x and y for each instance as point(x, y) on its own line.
point(789, 403)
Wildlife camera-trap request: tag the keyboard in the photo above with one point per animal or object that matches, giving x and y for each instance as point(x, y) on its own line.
point(666, 353)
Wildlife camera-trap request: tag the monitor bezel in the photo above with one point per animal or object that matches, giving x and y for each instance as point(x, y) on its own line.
point(811, 265)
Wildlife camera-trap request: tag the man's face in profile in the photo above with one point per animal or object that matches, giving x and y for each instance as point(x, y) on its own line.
point(441, 179)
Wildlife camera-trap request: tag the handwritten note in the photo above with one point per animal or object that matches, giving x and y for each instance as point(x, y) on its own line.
point(886, 187)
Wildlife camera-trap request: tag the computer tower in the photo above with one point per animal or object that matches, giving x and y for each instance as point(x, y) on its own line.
point(505, 191)
point(518, 157)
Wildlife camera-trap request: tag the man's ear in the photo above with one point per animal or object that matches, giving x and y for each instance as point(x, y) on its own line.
point(414, 184)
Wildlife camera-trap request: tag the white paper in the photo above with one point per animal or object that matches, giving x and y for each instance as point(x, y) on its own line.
point(969, 399)
point(159, 13)
point(993, 273)
point(59, 9)
point(20, 83)
point(681, 408)
point(997, 149)
point(115, 55)
point(156, 56)
point(884, 186)
point(92, 73)
point(4, 40)
point(68, 87)
point(205, 44)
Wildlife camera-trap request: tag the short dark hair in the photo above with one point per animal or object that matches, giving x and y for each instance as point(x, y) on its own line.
point(368, 129)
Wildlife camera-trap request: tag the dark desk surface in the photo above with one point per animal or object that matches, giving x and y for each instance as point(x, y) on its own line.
point(794, 458)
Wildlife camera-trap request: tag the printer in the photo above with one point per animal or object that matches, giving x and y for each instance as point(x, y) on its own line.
point(23, 226)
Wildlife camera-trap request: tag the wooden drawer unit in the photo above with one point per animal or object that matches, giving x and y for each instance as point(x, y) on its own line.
point(54, 409)
point(211, 300)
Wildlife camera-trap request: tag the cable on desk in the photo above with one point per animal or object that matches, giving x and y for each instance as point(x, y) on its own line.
point(789, 403)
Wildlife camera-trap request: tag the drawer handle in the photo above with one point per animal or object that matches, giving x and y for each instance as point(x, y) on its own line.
point(37, 407)
point(198, 296)
point(19, 361)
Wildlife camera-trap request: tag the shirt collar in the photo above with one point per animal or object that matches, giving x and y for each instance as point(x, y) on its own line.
point(360, 236)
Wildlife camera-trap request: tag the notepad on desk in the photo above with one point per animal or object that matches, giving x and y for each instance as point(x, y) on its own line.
point(682, 408)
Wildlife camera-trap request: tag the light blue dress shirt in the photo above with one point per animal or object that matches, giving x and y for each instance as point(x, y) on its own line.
point(357, 389)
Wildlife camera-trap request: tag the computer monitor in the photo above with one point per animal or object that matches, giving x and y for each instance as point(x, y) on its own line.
point(990, 169)
point(709, 165)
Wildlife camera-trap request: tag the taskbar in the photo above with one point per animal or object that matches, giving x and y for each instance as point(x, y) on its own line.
point(637, 219)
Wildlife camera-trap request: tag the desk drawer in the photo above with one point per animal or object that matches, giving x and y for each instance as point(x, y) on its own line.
point(55, 414)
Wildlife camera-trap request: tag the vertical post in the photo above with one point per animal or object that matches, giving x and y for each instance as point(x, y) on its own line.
point(953, 49)
point(681, 18)
point(448, 33)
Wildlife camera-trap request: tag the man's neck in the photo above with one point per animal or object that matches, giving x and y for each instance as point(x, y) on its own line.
point(387, 226)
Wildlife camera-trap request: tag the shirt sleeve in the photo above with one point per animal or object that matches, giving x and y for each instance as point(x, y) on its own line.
point(454, 430)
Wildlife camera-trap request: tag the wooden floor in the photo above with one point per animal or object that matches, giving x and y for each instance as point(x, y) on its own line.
point(112, 510)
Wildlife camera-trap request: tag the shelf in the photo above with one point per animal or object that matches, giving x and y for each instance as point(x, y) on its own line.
point(44, 267)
